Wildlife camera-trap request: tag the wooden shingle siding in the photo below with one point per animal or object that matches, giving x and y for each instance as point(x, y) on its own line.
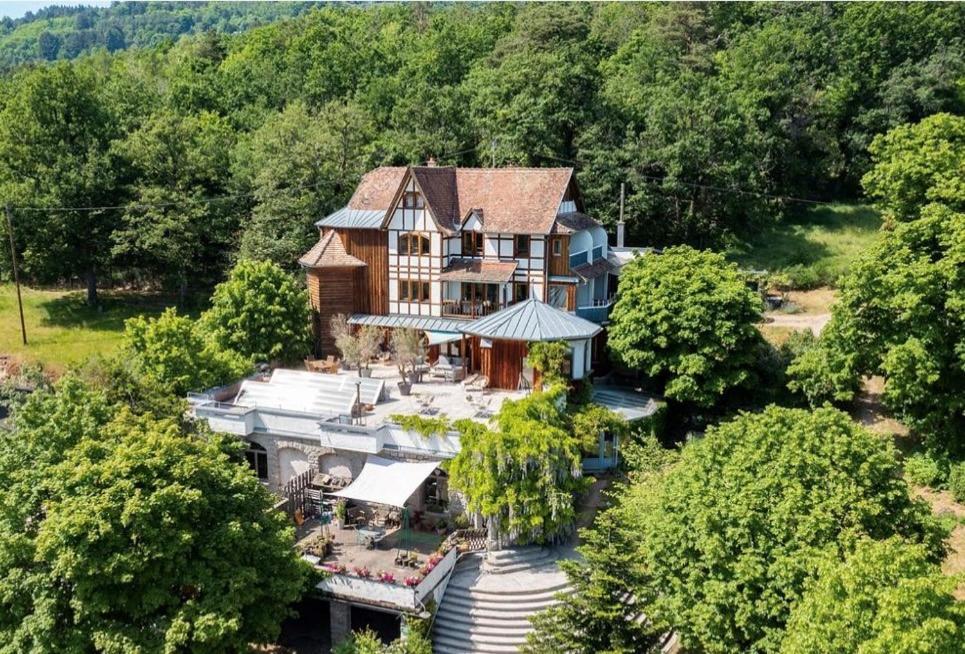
point(372, 247)
point(331, 291)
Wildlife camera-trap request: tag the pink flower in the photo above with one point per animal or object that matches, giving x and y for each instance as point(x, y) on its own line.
point(412, 581)
point(362, 571)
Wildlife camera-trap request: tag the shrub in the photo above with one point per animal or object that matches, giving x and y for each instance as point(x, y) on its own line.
point(956, 481)
point(927, 469)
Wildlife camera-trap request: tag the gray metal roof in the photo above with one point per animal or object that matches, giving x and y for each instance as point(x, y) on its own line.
point(353, 219)
point(426, 323)
point(532, 320)
point(627, 402)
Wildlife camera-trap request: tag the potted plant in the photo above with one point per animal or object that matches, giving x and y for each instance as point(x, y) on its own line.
point(369, 338)
point(362, 572)
point(407, 348)
point(386, 577)
point(348, 344)
point(341, 510)
point(412, 582)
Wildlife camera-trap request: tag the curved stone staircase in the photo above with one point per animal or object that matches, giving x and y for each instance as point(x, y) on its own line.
point(490, 598)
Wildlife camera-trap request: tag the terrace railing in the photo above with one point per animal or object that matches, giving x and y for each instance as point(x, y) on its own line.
point(470, 308)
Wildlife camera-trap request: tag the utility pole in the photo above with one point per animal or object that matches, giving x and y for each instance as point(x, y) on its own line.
point(621, 226)
point(16, 274)
point(494, 151)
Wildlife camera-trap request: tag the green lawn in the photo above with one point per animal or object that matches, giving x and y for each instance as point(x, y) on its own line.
point(813, 249)
point(62, 329)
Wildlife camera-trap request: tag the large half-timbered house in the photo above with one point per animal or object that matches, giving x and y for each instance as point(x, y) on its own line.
point(442, 248)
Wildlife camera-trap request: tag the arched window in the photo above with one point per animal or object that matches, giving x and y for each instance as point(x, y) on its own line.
point(257, 458)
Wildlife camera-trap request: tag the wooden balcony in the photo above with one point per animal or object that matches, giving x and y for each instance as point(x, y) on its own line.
point(470, 308)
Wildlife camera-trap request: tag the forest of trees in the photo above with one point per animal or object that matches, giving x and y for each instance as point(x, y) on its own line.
point(712, 114)
point(66, 32)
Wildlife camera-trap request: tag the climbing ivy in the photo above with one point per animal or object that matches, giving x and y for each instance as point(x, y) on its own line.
point(422, 425)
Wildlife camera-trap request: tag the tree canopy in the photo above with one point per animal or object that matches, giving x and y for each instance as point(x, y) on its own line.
point(523, 474)
point(886, 596)
point(724, 543)
point(139, 536)
point(260, 312)
point(712, 115)
point(686, 318)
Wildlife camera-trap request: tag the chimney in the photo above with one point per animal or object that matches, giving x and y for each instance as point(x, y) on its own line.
point(621, 226)
point(432, 162)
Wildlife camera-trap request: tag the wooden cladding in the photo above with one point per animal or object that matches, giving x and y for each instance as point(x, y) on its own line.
point(558, 255)
point(503, 363)
point(372, 247)
point(331, 291)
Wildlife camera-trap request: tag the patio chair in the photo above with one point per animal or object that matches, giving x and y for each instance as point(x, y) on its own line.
point(442, 368)
point(480, 383)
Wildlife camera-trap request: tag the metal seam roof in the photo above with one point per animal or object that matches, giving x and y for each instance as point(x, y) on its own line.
point(426, 323)
point(353, 218)
point(532, 320)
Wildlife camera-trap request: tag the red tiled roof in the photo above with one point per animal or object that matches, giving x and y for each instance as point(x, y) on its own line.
point(329, 253)
point(476, 270)
point(514, 200)
point(377, 188)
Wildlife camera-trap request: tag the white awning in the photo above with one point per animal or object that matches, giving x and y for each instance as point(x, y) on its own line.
point(387, 481)
point(438, 338)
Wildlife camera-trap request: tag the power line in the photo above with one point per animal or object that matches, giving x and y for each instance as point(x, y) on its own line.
point(161, 205)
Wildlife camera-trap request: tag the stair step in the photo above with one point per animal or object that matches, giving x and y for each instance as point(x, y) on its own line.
point(476, 611)
point(450, 645)
point(478, 639)
point(473, 631)
point(499, 607)
point(505, 620)
point(510, 595)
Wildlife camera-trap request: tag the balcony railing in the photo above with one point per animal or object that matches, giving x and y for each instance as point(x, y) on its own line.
point(470, 308)
point(597, 310)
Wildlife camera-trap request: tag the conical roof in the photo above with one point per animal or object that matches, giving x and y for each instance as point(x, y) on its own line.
point(329, 253)
point(533, 320)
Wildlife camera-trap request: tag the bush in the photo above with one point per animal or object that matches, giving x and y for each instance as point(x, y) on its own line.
point(927, 469)
point(956, 481)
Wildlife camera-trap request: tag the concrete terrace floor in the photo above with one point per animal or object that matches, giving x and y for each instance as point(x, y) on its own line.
point(352, 554)
point(444, 398)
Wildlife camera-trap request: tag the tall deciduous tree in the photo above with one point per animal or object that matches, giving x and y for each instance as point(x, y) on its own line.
point(300, 165)
point(55, 134)
point(724, 542)
point(686, 318)
point(180, 225)
point(138, 536)
point(886, 597)
point(260, 312)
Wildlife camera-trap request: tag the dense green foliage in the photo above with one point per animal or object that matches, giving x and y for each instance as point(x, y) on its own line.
point(901, 309)
point(522, 474)
point(174, 352)
point(260, 312)
point(686, 318)
point(219, 143)
point(138, 535)
point(368, 642)
point(63, 32)
point(886, 597)
point(549, 359)
point(724, 543)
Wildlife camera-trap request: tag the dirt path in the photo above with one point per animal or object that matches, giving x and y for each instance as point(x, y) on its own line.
point(798, 321)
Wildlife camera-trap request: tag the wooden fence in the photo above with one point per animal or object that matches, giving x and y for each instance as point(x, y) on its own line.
point(295, 493)
point(467, 540)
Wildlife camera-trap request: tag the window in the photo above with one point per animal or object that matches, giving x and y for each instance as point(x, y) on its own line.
point(557, 296)
point(472, 244)
point(557, 247)
point(413, 290)
point(520, 292)
point(412, 200)
point(521, 245)
point(415, 244)
point(257, 459)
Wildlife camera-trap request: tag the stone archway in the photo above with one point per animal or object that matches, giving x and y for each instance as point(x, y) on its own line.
point(291, 463)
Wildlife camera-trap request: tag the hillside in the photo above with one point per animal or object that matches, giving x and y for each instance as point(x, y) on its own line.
point(67, 32)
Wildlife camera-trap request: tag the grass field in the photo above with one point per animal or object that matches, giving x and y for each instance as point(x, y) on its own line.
point(814, 248)
point(62, 329)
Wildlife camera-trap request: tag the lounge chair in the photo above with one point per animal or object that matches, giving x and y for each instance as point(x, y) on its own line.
point(442, 368)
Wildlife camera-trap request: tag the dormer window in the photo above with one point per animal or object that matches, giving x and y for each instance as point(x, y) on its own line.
point(414, 244)
point(412, 200)
point(472, 244)
point(521, 246)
